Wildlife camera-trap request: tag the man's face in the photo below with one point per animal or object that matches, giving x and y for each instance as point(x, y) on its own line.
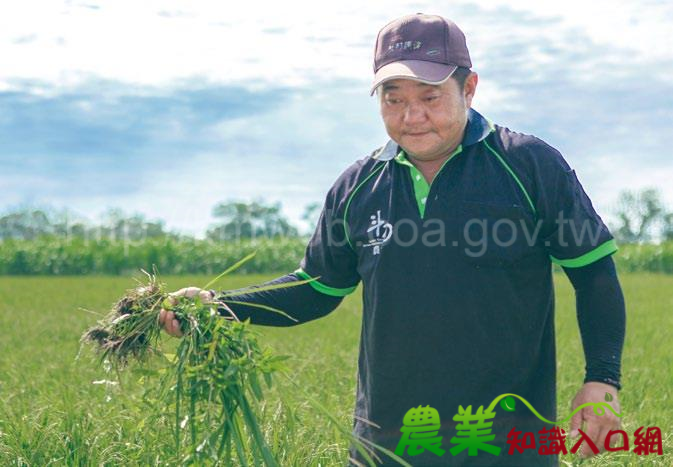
point(428, 121)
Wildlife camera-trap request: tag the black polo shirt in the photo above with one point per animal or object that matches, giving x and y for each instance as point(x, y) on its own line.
point(458, 299)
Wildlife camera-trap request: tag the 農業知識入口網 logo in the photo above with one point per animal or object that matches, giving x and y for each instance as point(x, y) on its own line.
point(379, 232)
point(421, 429)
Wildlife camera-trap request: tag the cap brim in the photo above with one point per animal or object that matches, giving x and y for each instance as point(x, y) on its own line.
point(418, 70)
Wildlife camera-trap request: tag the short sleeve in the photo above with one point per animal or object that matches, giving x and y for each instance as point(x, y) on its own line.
point(329, 256)
point(574, 234)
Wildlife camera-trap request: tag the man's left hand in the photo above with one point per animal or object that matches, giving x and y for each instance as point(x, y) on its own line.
point(595, 426)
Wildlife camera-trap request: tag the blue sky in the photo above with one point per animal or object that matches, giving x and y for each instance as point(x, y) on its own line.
point(168, 108)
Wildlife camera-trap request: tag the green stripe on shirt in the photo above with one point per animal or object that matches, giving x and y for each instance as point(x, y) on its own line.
point(594, 255)
point(326, 289)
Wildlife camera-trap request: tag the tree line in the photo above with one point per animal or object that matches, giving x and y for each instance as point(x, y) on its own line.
point(49, 242)
point(641, 217)
point(234, 220)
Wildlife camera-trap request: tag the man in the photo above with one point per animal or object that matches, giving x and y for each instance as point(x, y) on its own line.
point(452, 228)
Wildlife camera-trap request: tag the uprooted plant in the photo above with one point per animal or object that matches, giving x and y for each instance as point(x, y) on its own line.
point(213, 382)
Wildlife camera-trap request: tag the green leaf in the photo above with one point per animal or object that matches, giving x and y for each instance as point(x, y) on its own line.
point(230, 371)
point(254, 385)
point(608, 397)
point(508, 404)
point(170, 357)
point(263, 307)
point(237, 265)
point(265, 288)
point(268, 379)
point(213, 345)
point(236, 436)
point(251, 422)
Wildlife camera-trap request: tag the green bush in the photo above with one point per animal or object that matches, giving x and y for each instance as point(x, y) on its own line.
point(646, 257)
point(75, 256)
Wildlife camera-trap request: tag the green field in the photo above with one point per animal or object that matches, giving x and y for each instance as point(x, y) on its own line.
point(52, 414)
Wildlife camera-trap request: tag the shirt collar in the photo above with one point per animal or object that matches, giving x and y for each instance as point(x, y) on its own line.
point(478, 127)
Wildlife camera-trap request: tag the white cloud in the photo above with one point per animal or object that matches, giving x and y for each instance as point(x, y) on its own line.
point(608, 174)
point(643, 26)
point(160, 43)
point(157, 42)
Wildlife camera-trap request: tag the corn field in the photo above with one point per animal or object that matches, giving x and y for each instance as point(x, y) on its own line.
point(77, 256)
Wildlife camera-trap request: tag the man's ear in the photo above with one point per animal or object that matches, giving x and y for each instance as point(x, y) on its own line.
point(470, 88)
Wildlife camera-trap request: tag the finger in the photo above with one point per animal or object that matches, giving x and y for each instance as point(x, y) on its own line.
point(175, 328)
point(188, 292)
point(576, 423)
point(592, 431)
point(172, 299)
point(174, 296)
point(614, 440)
point(167, 323)
point(206, 296)
point(615, 424)
point(168, 318)
point(602, 434)
point(164, 317)
point(192, 292)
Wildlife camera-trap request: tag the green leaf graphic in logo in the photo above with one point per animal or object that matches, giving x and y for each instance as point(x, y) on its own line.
point(508, 404)
point(608, 397)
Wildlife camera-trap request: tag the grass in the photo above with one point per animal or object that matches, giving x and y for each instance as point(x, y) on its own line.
point(52, 414)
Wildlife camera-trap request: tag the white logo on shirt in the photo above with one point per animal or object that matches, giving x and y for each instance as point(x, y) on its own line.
point(379, 232)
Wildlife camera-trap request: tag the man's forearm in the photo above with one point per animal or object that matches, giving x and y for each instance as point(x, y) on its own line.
point(301, 302)
point(601, 316)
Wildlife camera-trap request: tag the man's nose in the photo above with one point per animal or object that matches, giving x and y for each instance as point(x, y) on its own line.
point(414, 113)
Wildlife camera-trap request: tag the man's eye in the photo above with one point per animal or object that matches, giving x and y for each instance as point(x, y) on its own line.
point(431, 98)
point(391, 101)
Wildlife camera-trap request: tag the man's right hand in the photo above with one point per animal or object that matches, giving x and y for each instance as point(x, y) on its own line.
point(167, 319)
